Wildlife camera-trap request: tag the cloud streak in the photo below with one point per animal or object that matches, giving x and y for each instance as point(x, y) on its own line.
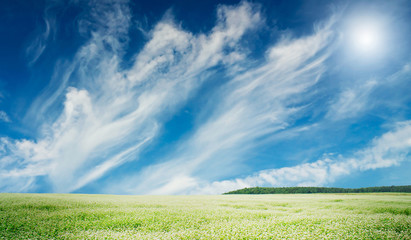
point(4, 117)
point(110, 114)
point(253, 105)
point(388, 150)
point(352, 102)
point(39, 44)
point(102, 111)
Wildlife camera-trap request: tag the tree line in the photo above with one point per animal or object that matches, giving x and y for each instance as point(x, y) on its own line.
point(291, 190)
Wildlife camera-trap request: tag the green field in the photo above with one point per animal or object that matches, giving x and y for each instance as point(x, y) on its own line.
point(309, 216)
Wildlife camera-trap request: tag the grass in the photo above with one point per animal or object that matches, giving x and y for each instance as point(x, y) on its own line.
point(309, 216)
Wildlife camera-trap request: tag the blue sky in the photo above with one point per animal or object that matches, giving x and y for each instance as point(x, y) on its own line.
point(203, 97)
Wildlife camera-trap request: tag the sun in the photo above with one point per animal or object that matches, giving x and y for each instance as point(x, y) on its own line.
point(366, 35)
point(366, 38)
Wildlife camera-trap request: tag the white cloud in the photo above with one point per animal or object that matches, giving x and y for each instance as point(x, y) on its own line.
point(37, 46)
point(100, 115)
point(111, 114)
point(253, 105)
point(4, 117)
point(388, 150)
point(352, 102)
point(360, 98)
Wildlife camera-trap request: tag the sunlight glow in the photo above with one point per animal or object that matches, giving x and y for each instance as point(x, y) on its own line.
point(366, 36)
point(367, 39)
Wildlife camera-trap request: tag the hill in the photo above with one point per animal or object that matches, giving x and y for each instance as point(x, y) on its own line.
point(293, 190)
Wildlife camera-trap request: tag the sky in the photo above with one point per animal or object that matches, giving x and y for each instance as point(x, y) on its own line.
point(203, 97)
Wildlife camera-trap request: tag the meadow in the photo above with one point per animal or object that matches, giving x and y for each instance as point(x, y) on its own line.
point(291, 216)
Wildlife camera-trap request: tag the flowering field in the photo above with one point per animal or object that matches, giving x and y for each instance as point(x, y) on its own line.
point(310, 216)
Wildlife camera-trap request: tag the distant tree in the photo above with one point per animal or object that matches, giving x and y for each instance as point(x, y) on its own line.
point(294, 190)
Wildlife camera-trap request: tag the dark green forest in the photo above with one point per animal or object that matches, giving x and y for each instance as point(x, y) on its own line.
point(292, 190)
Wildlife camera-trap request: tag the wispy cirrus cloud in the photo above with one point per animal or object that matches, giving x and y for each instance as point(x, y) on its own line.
point(43, 33)
point(264, 101)
point(258, 102)
point(352, 101)
point(110, 114)
point(102, 110)
point(390, 149)
point(4, 117)
point(360, 98)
